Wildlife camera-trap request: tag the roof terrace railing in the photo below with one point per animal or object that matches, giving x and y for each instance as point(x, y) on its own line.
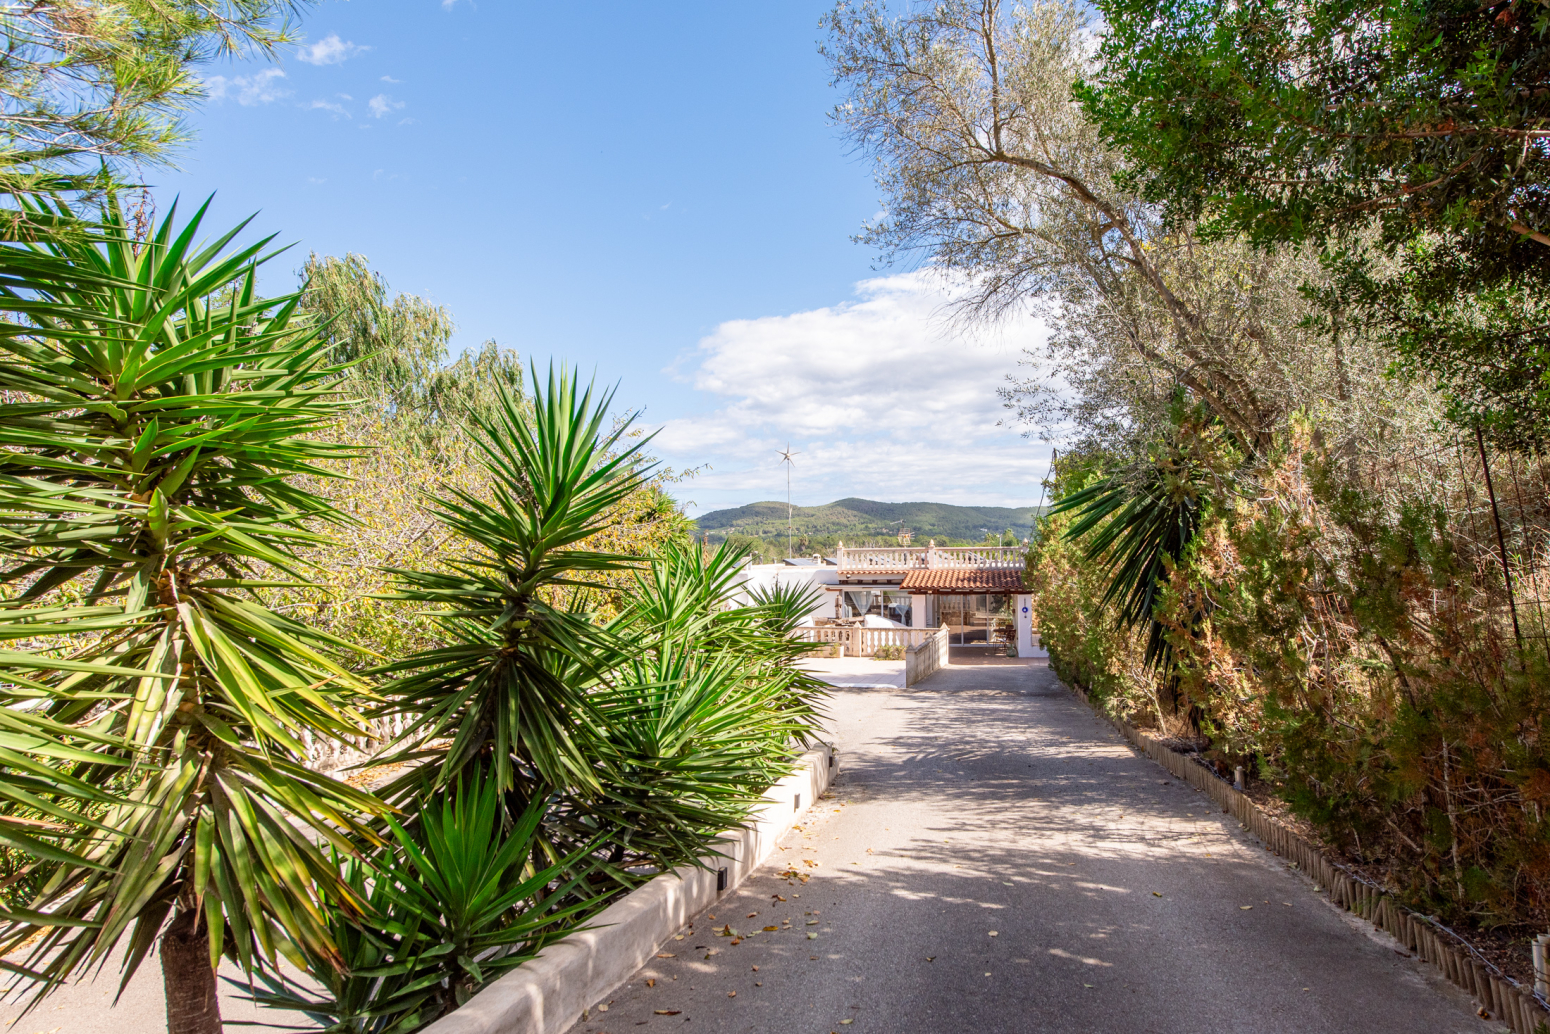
point(929, 558)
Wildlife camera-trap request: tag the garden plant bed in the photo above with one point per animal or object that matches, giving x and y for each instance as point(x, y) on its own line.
point(549, 993)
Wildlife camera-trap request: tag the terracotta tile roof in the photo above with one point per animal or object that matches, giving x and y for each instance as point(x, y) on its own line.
point(969, 580)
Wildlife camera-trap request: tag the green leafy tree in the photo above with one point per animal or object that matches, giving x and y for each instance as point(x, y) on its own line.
point(1405, 139)
point(156, 410)
point(90, 84)
point(396, 347)
point(990, 170)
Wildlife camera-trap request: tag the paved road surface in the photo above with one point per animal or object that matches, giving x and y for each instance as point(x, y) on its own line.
point(988, 799)
point(996, 859)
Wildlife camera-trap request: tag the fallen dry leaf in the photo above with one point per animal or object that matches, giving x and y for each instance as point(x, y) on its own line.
point(1155, 894)
point(1244, 908)
point(651, 983)
point(731, 994)
point(930, 958)
point(666, 955)
point(843, 1022)
point(994, 934)
point(812, 936)
point(771, 929)
point(666, 1012)
point(751, 915)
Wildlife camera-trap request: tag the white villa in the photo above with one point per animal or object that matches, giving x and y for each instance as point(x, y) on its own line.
point(898, 595)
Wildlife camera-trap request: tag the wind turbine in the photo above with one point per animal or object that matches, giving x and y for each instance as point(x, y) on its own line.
point(785, 457)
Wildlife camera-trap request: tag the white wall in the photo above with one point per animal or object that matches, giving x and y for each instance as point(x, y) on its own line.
point(767, 576)
point(1026, 643)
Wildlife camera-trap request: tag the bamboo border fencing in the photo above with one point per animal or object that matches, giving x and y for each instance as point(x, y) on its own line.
point(1504, 998)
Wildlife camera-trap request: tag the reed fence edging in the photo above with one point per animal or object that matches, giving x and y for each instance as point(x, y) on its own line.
point(1504, 998)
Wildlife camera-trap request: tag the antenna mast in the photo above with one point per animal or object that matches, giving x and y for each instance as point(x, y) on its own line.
point(785, 457)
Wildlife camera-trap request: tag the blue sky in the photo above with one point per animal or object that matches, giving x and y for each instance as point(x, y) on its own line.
point(651, 191)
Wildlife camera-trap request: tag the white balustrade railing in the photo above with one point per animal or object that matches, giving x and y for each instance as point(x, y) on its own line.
point(857, 641)
point(326, 754)
point(929, 558)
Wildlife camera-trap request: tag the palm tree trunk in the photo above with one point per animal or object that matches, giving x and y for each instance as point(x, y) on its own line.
point(192, 1007)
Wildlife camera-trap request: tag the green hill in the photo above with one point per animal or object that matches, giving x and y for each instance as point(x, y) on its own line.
point(862, 521)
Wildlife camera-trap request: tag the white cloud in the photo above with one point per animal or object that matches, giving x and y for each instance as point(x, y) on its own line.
point(331, 107)
point(390, 79)
point(248, 90)
point(881, 395)
point(330, 50)
point(382, 104)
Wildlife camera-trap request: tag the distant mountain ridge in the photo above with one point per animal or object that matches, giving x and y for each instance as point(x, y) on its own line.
point(867, 518)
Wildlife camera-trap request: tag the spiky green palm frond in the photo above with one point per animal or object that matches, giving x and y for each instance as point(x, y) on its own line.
point(453, 904)
point(1141, 521)
point(510, 686)
point(156, 410)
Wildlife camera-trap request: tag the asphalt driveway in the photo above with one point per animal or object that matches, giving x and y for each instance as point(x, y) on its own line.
point(996, 858)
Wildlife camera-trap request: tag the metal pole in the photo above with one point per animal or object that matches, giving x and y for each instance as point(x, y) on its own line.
point(1501, 541)
point(1043, 485)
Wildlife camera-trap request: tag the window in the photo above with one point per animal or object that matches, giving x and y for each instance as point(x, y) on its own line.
point(885, 603)
point(979, 619)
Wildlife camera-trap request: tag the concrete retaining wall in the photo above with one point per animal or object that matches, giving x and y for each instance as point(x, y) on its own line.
point(926, 657)
point(548, 994)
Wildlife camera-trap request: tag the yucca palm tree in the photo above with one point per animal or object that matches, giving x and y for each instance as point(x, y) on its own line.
point(709, 712)
point(155, 711)
point(538, 733)
point(1142, 520)
point(508, 692)
point(453, 905)
point(614, 723)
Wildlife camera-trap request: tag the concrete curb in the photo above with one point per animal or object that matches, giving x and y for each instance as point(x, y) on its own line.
point(1497, 993)
point(549, 994)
